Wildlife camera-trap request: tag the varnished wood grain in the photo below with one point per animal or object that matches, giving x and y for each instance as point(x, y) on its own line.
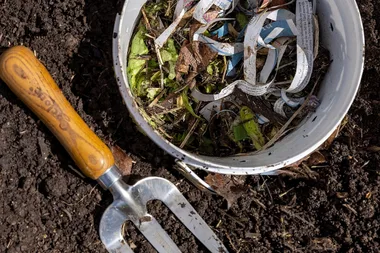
point(31, 82)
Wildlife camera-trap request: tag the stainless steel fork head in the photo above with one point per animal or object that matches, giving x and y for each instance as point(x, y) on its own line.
point(130, 204)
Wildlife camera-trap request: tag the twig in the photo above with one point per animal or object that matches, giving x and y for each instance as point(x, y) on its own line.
point(146, 19)
point(350, 208)
point(160, 63)
point(309, 172)
point(168, 10)
point(165, 133)
point(93, 188)
point(157, 98)
point(266, 186)
point(316, 36)
point(224, 69)
point(68, 214)
point(233, 218)
point(285, 65)
point(284, 82)
point(365, 164)
point(283, 194)
point(189, 133)
point(9, 243)
point(181, 89)
point(258, 201)
point(172, 111)
point(229, 239)
point(283, 208)
point(160, 106)
point(76, 171)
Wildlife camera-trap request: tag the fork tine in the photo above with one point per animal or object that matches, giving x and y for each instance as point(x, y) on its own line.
point(110, 230)
point(156, 235)
point(158, 188)
point(193, 221)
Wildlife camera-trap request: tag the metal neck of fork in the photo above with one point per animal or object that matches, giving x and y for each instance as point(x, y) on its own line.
point(109, 177)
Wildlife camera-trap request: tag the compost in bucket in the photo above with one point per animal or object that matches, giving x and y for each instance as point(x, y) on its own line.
point(219, 78)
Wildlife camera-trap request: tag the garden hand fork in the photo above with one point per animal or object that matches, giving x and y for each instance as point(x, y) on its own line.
point(31, 82)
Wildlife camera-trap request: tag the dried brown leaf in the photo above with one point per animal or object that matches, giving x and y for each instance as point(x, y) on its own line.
point(322, 244)
point(193, 28)
point(123, 161)
point(298, 163)
point(204, 54)
point(185, 60)
point(330, 140)
point(374, 149)
point(342, 195)
point(193, 58)
point(316, 158)
point(226, 187)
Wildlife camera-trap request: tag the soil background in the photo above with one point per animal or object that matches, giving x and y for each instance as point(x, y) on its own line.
point(45, 206)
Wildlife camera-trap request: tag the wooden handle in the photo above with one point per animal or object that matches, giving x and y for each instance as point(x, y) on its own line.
point(31, 82)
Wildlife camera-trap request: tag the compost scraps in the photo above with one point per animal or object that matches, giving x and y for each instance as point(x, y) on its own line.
point(221, 77)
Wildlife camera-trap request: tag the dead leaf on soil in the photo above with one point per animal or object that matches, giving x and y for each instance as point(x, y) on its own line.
point(374, 149)
point(316, 158)
point(229, 187)
point(342, 195)
point(298, 163)
point(322, 244)
point(330, 140)
point(123, 161)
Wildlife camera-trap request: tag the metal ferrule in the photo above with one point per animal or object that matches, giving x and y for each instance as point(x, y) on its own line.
point(109, 177)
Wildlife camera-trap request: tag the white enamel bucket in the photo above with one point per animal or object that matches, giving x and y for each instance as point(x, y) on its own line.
point(342, 34)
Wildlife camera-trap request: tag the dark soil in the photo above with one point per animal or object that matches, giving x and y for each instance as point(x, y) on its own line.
point(47, 207)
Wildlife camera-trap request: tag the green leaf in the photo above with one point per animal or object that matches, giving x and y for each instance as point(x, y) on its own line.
point(171, 70)
point(214, 68)
point(152, 64)
point(179, 137)
point(252, 127)
point(152, 93)
point(187, 105)
point(153, 8)
point(241, 19)
point(169, 54)
point(210, 88)
point(169, 83)
point(135, 66)
point(206, 146)
point(240, 133)
point(210, 70)
point(156, 76)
